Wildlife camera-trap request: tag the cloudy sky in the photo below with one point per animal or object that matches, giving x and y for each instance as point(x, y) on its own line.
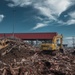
point(38, 16)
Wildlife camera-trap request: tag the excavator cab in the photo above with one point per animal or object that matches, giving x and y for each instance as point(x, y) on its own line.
point(46, 45)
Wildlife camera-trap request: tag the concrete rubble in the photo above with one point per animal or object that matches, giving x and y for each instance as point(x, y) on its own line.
point(20, 58)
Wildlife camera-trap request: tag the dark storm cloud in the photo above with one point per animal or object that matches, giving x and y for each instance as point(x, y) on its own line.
point(64, 16)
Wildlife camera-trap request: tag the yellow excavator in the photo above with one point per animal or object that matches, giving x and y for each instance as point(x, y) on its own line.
point(52, 45)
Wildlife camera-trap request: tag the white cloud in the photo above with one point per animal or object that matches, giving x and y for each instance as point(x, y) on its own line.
point(72, 14)
point(56, 6)
point(49, 8)
point(46, 7)
point(69, 38)
point(52, 8)
point(69, 41)
point(20, 3)
point(39, 18)
point(1, 17)
point(39, 25)
point(45, 11)
point(70, 22)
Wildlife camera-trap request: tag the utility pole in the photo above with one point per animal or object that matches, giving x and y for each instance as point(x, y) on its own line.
point(73, 41)
point(13, 21)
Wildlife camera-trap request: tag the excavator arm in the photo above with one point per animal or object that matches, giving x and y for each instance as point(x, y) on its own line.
point(58, 37)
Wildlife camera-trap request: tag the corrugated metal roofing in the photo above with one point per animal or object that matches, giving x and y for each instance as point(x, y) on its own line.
point(33, 36)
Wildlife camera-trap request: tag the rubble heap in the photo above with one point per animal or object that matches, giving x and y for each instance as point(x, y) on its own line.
point(20, 58)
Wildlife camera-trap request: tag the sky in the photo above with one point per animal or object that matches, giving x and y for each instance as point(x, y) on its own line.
point(28, 16)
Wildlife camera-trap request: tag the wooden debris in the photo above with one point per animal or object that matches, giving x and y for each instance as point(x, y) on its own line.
point(20, 58)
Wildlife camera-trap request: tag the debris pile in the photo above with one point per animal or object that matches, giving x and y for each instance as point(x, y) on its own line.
point(15, 49)
point(19, 58)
